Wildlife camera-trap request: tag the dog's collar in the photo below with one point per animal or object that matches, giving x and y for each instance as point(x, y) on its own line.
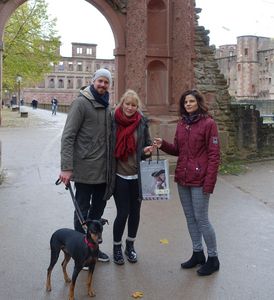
point(89, 244)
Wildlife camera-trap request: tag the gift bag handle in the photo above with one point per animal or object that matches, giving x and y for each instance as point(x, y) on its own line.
point(157, 156)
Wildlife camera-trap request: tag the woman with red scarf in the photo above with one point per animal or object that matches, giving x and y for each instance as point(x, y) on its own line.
point(133, 144)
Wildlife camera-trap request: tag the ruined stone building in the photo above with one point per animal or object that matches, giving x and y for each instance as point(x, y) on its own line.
point(160, 51)
point(248, 67)
point(69, 75)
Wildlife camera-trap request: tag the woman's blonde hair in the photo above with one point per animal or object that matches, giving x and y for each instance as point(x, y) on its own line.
point(130, 94)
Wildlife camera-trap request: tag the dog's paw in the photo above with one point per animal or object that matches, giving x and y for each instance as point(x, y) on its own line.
point(67, 280)
point(48, 286)
point(91, 293)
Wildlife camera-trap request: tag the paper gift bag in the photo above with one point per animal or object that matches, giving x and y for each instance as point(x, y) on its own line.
point(155, 179)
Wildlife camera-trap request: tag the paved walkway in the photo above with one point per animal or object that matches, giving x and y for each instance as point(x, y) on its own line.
point(32, 207)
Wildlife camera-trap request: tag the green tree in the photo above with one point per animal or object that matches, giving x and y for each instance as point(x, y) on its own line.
point(31, 44)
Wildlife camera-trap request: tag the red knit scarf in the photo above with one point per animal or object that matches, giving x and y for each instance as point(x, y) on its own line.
point(125, 141)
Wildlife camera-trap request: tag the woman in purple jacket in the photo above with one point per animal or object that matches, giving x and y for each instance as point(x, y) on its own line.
point(196, 143)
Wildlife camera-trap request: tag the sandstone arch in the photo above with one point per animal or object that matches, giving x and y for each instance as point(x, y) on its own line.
point(144, 32)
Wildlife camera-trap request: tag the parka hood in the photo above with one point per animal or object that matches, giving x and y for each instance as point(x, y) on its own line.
point(87, 93)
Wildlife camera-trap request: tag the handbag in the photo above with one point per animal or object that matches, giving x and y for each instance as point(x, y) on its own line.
point(155, 179)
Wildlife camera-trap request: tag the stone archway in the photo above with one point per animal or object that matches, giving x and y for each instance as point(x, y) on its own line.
point(160, 51)
point(114, 13)
point(154, 46)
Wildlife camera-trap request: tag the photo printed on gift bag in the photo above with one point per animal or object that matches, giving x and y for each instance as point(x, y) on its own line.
point(155, 179)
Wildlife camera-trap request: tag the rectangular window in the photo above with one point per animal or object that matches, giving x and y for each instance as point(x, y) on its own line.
point(79, 83)
point(246, 51)
point(70, 66)
point(79, 66)
point(61, 66)
point(89, 51)
point(79, 50)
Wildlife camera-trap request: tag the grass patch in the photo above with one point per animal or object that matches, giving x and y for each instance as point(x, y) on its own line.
point(13, 119)
point(233, 168)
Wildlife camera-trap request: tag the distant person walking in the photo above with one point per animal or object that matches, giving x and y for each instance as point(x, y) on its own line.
point(54, 106)
point(86, 156)
point(196, 143)
point(34, 103)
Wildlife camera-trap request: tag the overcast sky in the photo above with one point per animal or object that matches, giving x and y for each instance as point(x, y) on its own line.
point(227, 19)
point(79, 21)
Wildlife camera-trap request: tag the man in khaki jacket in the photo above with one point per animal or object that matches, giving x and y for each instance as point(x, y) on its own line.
point(86, 149)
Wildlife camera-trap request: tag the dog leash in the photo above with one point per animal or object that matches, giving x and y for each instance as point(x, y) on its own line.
point(76, 206)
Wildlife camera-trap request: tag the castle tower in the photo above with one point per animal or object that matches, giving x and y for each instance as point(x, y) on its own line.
point(247, 69)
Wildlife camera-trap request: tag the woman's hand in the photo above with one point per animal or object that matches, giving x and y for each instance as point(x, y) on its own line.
point(148, 150)
point(157, 142)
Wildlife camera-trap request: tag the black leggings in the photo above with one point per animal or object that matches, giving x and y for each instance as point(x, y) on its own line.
point(90, 200)
point(128, 207)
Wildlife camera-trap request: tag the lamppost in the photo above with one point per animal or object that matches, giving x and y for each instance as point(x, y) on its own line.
point(18, 80)
point(7, 97)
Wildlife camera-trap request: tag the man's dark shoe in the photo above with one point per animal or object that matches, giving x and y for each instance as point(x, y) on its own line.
point(103, 257)
point(212, 265)
point(130, 252)
point(118, 257)
point(197, 258)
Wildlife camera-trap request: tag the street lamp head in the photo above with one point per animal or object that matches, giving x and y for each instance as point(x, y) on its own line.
point(18, 78)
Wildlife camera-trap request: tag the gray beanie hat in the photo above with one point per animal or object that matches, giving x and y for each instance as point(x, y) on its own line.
point(102, 73)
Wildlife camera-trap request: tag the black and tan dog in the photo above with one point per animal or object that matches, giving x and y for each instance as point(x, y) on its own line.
point(83, 248)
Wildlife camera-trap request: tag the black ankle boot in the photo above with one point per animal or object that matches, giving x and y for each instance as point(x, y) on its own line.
point(197, 258)
point(212, 265)
point(118, 257)
point(130, 252)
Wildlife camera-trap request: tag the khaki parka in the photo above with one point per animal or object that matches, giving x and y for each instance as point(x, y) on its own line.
point(86, 146)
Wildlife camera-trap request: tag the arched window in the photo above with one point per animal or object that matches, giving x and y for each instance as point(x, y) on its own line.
point(60, 83)
point(70, 84)
point(157, 83)
point(51, 83)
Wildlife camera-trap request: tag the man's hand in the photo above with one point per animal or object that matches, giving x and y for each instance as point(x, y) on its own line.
point(65, 176)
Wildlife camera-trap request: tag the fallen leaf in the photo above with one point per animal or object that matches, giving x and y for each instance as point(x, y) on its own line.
point(137, 294)
point(164, 241)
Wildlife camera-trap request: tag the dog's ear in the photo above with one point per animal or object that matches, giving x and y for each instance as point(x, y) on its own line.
point(103, 221)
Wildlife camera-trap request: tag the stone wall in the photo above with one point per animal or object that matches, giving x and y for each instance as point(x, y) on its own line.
point(210, 81)
point(242, 132)
point(254, 139)
point(266, 140)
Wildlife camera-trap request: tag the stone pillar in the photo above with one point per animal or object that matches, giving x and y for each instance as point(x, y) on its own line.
point(1, 98)
point(120, 65)
point(1, 89)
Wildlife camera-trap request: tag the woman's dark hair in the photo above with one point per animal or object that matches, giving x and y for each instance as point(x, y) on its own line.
point(202, 107)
